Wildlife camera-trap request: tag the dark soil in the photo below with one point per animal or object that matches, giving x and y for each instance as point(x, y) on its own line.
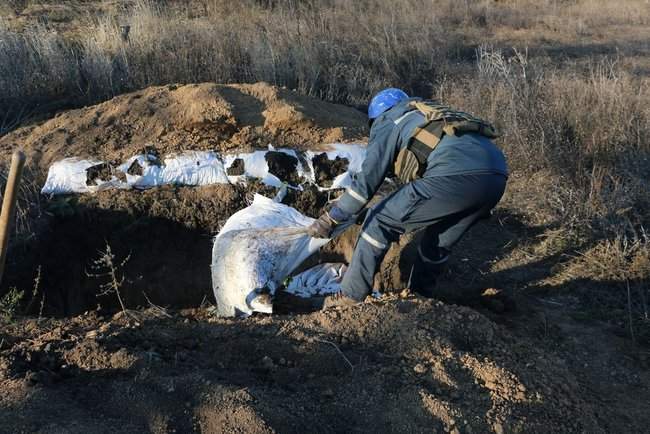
point(309, 202)
point(99, 172)
point(283, 166)
point(399, 365)
point(135, 169)
point(237, 168)
point(325, 170)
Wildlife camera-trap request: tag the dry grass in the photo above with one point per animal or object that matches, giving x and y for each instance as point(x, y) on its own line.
point(336, 50)
point(28, 208)
point(590, 131)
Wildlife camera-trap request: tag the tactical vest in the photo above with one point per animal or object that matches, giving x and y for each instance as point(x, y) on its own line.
point(439, 120)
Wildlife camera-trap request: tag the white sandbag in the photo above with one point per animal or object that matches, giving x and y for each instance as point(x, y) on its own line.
point(151, 172)
point(193, 168)
point(69, 176)
point(319, 280)
point(255, 166)
point(254, 252)
point(354, 153)
point(189, 168)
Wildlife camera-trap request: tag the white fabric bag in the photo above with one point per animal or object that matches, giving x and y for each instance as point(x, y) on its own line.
point(254, 252)
point(322, 279)
point(69, 176)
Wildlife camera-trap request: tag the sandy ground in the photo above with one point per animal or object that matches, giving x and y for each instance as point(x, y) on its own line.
point(198, 117)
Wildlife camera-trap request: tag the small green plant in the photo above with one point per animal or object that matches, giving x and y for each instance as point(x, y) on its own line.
point(9, 304)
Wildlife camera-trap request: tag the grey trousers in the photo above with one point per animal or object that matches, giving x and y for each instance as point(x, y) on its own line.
point(447, 206)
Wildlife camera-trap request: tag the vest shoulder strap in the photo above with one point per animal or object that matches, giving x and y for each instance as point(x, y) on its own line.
point(440, 120)
point(454, 122)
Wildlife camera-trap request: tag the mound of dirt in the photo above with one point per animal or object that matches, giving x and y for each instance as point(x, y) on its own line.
point(198, 117)
point(399, 365)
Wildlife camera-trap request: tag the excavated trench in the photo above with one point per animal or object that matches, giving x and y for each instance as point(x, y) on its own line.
point(161, 241)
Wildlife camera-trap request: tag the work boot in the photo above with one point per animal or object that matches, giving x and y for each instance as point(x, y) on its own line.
point(423, 284)
point(338, 299)
point(425, 272)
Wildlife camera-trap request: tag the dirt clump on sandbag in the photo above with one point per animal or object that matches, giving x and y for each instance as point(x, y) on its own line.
point(396, 365)
point(310, 201)
point(135, 169)
point(174, 118)
point(283, 166)
point(325, 170)
point(103, 172)
point(237, 168)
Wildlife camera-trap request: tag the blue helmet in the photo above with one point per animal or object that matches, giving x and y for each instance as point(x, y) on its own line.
point(385, 100)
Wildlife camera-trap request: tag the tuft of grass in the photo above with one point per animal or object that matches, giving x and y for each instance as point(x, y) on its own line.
point(28, 208)
point(9, 304)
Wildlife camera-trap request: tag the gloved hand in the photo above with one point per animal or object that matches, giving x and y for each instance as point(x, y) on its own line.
point(327, 222)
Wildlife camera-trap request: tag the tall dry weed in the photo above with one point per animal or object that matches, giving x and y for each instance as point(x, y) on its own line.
point(591, 132)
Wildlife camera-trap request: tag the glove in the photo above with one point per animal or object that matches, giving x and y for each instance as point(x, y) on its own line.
point(327, 222)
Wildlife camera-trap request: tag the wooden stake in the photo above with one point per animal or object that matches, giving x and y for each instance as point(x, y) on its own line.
point(9, 205)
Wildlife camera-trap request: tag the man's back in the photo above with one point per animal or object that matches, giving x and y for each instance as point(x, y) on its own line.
point(455, 155)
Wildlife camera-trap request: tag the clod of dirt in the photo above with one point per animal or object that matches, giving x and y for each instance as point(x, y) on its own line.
point(310, 202)
point(237, 168)
point(135, 169)
point(100, 172)
point(152, 155)
point(325, 170)
point(283, 166)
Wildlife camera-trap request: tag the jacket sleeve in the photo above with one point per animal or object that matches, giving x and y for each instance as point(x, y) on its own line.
point(380, 155)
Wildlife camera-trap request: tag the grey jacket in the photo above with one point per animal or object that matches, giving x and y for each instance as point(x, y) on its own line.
point(392, 131)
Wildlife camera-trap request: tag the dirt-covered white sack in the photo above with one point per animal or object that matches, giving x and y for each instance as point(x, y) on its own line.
point(150, 172)
point(256, 166)
point(70, 175)
point(193, 168)
point(189, 168)
point(255, 251)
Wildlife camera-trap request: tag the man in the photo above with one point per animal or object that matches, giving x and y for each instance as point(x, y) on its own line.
point(453, 176)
